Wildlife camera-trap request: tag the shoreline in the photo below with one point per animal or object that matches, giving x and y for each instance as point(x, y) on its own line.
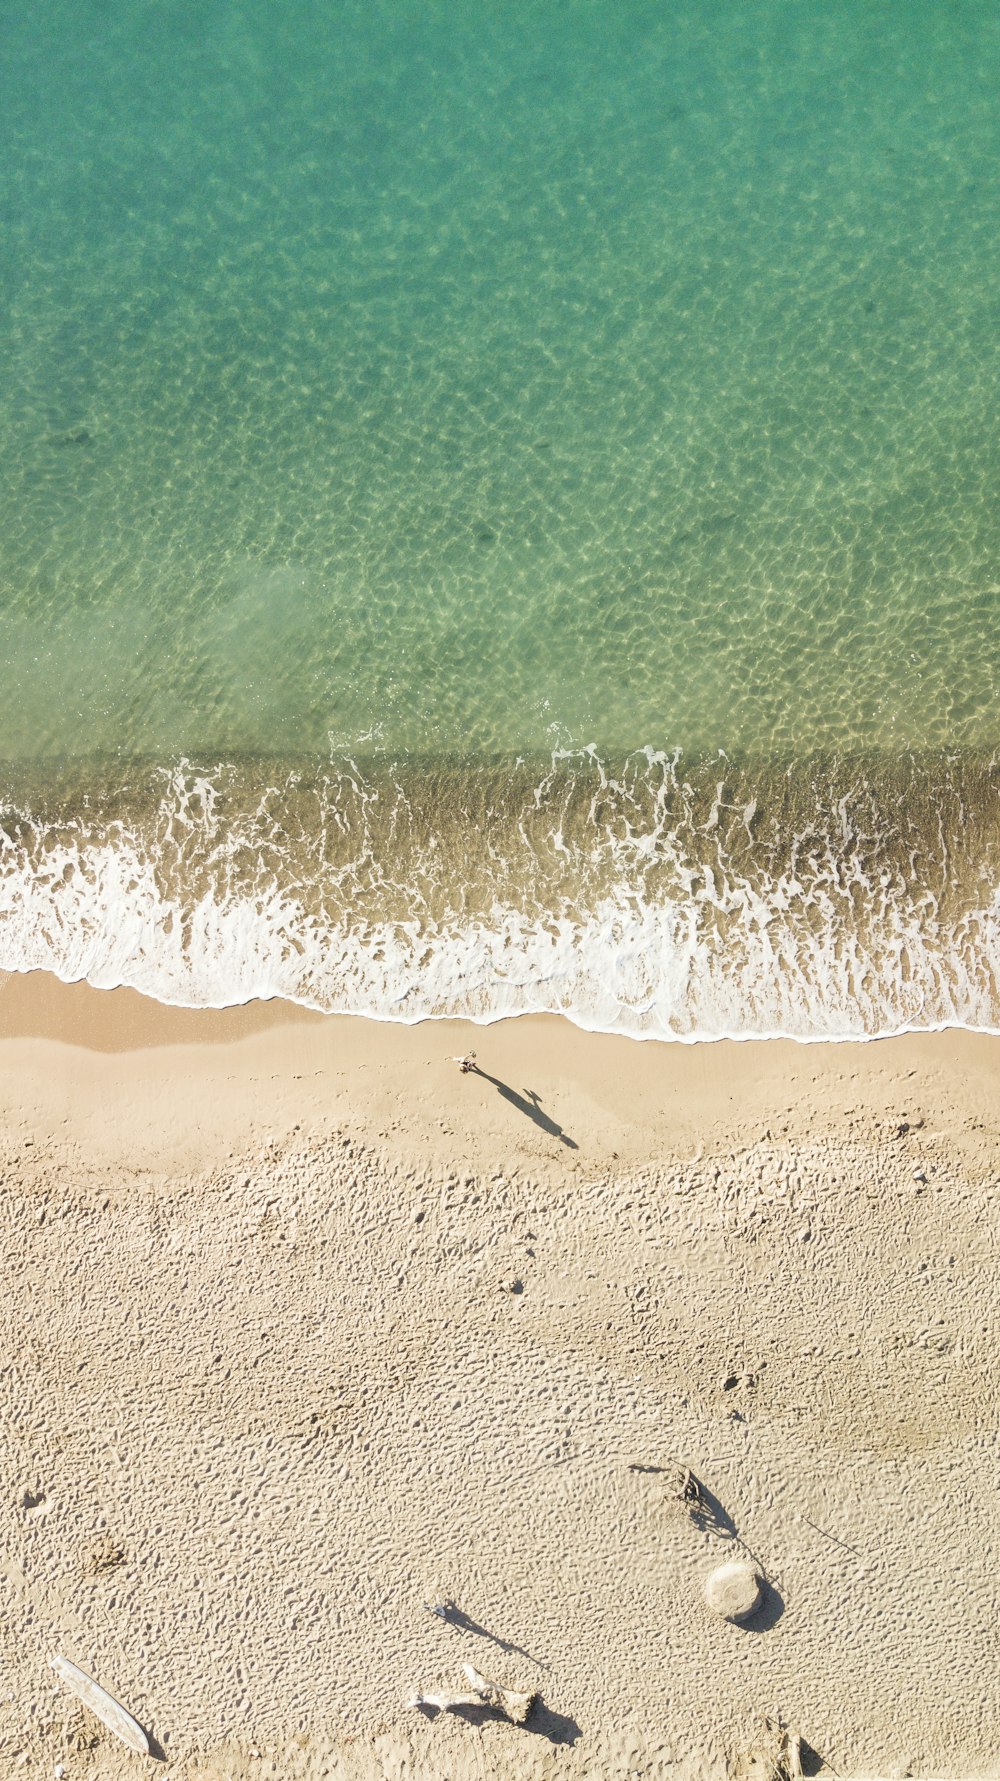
point(636, 1101)
point(306, 1328)
point(38, 1004)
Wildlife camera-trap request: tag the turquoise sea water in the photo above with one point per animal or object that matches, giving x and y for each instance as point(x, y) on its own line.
point(500, 507)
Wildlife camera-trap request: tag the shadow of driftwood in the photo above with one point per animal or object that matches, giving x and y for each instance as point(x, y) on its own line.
point(711, 1516)
point(832, 1537)
point(706, 1511)
point(529, 1104)
point(810, 1759)
point(558, 1728)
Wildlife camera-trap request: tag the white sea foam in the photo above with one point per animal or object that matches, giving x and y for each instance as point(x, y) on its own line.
point(652, 944)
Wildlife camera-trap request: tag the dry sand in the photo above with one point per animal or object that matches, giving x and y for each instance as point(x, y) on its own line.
point(303, 1328)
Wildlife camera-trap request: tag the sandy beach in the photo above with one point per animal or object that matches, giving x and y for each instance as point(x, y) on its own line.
point(306, 1333)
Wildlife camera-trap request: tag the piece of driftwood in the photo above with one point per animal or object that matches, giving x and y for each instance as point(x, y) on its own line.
point(681, 1484)
point(793, 1755)
point(103, 1704)
point(778, 1755)
point(510, 1703)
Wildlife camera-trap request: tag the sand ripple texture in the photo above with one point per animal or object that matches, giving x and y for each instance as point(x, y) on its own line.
point(652, 894)
point(257, 1417)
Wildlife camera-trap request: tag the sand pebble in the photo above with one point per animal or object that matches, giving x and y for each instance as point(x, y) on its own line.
point(734, 1591)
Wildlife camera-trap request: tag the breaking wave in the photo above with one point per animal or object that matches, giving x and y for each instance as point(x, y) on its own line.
point(651, 895)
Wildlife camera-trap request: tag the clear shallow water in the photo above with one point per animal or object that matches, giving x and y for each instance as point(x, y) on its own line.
point(431, 435)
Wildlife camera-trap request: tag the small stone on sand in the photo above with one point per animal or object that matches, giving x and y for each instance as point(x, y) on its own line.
point(734, 1591)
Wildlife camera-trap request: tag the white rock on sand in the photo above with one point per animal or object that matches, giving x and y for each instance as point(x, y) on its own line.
point(734, 1591)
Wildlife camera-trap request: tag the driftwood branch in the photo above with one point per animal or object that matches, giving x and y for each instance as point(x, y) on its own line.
point(103, 1704)
point(509, 1703)
point(779, 1752)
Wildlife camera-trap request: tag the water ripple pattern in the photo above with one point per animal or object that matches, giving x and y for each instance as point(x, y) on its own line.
point(452, 390)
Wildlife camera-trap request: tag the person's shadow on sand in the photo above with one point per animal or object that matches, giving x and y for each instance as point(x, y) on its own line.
point(530, 1104)
point(453, 1615)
